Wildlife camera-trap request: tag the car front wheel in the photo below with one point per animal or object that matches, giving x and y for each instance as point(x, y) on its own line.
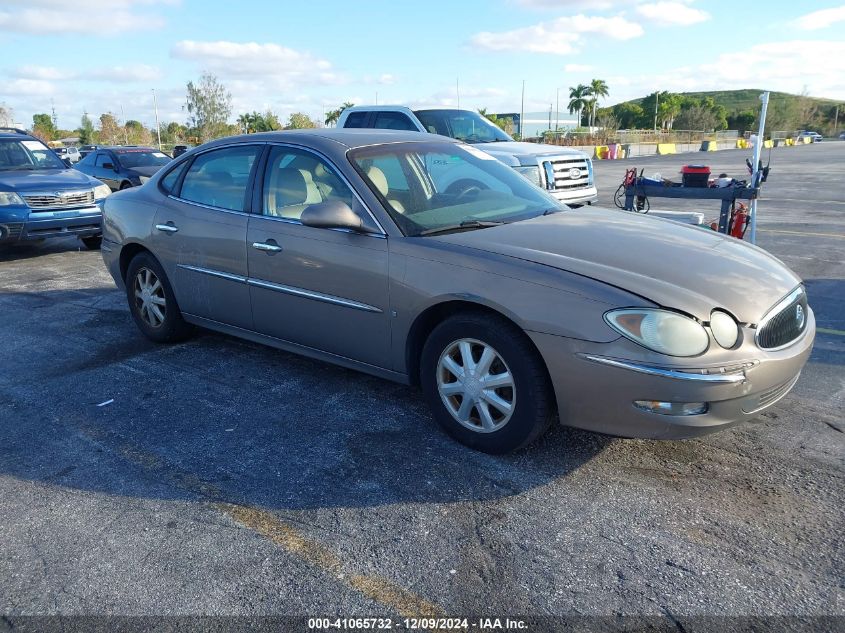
point(485, 383)
point(152, 302)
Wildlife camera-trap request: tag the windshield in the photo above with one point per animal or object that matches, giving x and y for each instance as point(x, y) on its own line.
point(27, 154)
point(142, 158)
point(463, 125)
point(439, 187)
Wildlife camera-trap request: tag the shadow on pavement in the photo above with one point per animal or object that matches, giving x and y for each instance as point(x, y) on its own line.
point(90, 404)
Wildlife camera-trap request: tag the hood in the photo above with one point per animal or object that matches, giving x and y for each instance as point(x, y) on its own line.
point(516, 148)
point(671, 264)
point(45, 179)
point(146, 170)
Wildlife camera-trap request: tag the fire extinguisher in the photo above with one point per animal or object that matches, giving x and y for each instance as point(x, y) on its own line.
point(740, 220)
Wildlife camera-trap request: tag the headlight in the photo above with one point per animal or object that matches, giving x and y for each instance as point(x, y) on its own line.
point(101, 191)
point(10, 198)
point(725, 329)
point(143, 179)
point(661, 331)
point(532, 172)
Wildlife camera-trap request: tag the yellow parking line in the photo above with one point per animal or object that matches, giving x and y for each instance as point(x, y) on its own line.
point(381, 590)
point(839, 235)
point(825, 330)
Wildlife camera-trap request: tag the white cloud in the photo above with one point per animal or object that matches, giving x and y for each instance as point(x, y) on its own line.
point(559, 37)
point(672, 13)
point(274, 64)
point(28, 88)
point(821, 19)
point(83, 17)
point(789, 66)
point(112, 74)
point(577, 68)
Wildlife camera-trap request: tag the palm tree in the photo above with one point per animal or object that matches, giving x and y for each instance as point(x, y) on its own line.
point(578, 100)
point(333, 115)
point(597, 89)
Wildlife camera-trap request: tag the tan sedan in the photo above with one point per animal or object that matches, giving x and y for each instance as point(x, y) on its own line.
point(425, 261)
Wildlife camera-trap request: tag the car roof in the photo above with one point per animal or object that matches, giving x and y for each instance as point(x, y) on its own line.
point(11, 132)
point(348, 137)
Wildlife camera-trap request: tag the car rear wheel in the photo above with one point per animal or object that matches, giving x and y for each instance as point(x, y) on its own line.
point(485, 383)
point(93, 243)
point(152, 302)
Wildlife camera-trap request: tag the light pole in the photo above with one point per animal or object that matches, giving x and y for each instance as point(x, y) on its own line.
point(557, 111)
point(158, 126)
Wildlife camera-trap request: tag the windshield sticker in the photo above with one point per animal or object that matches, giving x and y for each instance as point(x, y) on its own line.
point(34, 145)
point(477, 152)
point(159, 155)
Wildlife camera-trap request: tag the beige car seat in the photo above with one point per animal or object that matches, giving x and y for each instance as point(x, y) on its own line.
point(378, 178)
point(288, 194)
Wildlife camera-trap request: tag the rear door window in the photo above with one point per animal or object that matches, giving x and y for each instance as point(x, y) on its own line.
point(393, 121)
point(219, 178)
point(356, 119)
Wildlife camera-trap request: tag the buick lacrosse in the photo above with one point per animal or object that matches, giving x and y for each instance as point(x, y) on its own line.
point(426, 261)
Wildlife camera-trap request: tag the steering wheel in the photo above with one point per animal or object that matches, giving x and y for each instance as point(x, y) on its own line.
point(465, 188)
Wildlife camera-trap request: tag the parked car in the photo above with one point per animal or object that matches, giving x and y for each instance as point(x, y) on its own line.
point(178, 150)
point(567, 174)
point(41, 197)
point(506, 306)
point(814, 137)
point(87, 149)
point(71, 154)
point(124, 166)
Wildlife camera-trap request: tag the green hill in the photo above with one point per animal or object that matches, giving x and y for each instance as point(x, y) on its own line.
point(749, 98)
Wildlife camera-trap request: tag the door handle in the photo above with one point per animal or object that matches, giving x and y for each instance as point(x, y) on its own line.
point(167, 228)
point(267, 247)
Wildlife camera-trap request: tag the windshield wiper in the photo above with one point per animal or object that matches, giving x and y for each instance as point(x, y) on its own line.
point(551, 210)
point(463, 226)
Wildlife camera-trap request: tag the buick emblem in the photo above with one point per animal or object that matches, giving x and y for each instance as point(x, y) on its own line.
point(574, 173)
point(799, 316)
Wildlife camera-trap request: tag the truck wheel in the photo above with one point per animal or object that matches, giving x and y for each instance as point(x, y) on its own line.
point(485, 383)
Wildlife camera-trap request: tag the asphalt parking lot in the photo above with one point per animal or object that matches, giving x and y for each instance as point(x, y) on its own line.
point(220, 477)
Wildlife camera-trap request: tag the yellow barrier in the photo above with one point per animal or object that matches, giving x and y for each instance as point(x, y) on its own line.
point(741, 143)
point(666, 148)
point(602, 151)
point(768, 144)
point(708, 146)
point(790, 141)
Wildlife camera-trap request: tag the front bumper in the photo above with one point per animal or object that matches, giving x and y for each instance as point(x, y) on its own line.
point(597, 384)
point(23, 224)
point(587, 195)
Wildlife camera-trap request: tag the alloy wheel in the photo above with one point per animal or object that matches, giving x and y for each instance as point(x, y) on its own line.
point(149, 297)
point(476, 385)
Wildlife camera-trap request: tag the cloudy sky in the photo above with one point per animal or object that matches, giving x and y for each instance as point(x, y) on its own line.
point(108, 55)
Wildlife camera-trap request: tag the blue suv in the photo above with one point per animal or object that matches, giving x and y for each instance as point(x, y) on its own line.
point(41, 196)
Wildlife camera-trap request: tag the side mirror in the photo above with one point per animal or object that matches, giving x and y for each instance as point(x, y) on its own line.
point(108, 165)
point(333, 214)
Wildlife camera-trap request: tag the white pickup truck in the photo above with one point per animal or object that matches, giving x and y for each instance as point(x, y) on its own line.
point(566, 174)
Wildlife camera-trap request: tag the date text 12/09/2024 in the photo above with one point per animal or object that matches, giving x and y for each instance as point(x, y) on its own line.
point(424, 624)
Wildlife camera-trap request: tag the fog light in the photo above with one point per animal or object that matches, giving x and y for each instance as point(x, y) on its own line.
point(671, 408)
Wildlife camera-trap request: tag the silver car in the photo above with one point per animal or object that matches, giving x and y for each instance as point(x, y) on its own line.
point(506, 307)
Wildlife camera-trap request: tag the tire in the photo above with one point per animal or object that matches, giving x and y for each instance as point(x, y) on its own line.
point(92, 243)
point(161, 319)
point(532, 404)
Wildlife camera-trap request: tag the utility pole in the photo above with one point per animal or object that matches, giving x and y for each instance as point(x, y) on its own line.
point(522, 114)
point(557, 111)
point(54, 118)
point(656, 101)
point(550, 117)
point(755, 169)
point(125, 131)
point(158, 126)
point(836, 122)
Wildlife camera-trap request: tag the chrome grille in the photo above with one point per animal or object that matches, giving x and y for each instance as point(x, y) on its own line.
point(563, 174)
point(785, 322)
point(59, 199)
